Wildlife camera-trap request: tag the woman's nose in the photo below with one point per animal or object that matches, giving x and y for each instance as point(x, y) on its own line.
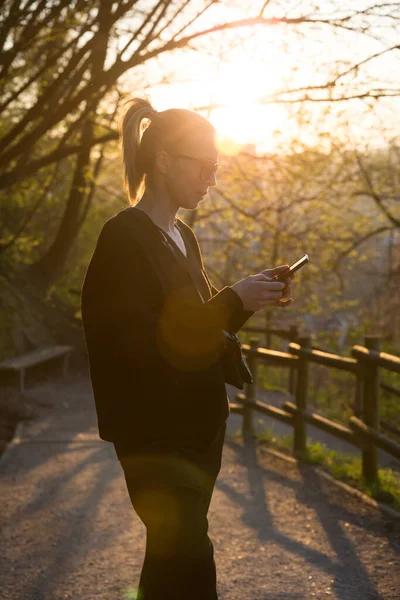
point(211, 180)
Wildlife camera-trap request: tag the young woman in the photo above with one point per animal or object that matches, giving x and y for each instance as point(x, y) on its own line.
point(154, 353)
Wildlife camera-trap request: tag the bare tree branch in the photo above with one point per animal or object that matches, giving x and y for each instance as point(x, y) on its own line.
point(11, 177)
point(261, 13)
point(372, 193)
point(74, 89)
point(358, 243)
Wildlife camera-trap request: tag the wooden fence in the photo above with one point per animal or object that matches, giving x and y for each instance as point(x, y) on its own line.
point(363, 429)
point(292, 334)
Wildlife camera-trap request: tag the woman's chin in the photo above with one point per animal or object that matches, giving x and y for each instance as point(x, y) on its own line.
point(199, 197)
point(192, 203)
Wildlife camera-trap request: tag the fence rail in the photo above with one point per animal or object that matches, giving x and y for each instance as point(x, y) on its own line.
point(388, 388)
point(363, 429)
point(325, 358)
point(371, 356)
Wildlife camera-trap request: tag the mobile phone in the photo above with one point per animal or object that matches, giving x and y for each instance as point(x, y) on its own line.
point(293, 268)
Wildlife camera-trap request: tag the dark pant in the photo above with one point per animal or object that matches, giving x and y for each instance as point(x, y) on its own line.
point(171, 493)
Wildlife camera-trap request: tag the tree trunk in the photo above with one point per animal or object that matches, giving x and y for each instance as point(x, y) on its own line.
point(51, 264)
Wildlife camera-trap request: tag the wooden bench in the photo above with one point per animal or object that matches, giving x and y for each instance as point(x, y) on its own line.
point(33, 358)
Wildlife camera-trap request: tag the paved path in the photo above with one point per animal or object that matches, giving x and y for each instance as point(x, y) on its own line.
point(280, 532)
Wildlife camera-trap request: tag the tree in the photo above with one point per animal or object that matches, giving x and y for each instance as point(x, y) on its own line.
point(62, 61)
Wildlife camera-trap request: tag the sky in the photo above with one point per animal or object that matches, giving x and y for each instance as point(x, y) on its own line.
point(245, 70)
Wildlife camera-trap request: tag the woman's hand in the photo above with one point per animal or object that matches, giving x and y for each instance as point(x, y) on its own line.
point(286, 298)
point(260, 290)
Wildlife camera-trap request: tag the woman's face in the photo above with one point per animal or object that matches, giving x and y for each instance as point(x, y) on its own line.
point(192, 170)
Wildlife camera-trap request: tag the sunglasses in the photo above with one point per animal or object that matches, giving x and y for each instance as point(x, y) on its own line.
point(208, 168)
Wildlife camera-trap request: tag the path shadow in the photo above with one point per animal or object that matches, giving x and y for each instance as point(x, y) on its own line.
point(51, 426)
point(345, 567)
point(73, 527)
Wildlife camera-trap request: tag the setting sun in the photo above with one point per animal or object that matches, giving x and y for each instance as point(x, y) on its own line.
point(247, 122)
point(231, 93)
point(242, 118)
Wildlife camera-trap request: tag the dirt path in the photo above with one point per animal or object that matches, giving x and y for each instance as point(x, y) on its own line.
point(280, 532)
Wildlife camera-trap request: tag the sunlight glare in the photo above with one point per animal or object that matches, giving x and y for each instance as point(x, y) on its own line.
point(243, 119)
point(248, 122)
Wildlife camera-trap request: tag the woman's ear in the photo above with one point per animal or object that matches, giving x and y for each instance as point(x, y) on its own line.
point(163, 161)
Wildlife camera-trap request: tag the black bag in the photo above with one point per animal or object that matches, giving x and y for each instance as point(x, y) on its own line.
point(235, 368)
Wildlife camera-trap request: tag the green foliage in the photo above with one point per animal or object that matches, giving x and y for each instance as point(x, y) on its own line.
point(273, 378)
point(10, 306)
point(104, 205)
point(30, 215)
point(389, 403)
point(331, 392)
point(15, 318)
point(343, 466)
point(268, 437)
point(347, 468)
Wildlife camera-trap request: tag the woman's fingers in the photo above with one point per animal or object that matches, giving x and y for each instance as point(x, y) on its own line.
point(279, 293)
point(263, 289)
point(262, 277)
point(268, 284)
point(273, 286)
point(283, 303)
point(275, 271)
point(273, 290)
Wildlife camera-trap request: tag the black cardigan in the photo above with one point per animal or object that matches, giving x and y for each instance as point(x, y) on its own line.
point(154, 357)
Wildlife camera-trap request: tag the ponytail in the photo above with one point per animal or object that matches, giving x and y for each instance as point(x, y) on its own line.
point(140, 141)
point(132, 130)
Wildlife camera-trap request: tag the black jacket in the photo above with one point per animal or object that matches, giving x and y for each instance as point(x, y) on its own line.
point(154, 357)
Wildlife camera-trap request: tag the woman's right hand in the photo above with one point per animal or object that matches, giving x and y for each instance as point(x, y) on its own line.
point(260, 290)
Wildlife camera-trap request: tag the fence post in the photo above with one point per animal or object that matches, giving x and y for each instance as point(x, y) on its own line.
point(300, 433)
point(294, 336)
point(371, 410)
point(250, 389)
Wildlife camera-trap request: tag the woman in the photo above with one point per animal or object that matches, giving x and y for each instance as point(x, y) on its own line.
point(154, 352)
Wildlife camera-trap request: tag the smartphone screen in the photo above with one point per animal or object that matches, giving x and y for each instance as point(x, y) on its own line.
point(295, 267)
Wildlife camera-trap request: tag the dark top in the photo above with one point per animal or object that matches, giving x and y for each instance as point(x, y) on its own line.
point(192, 261)
point(154, 356)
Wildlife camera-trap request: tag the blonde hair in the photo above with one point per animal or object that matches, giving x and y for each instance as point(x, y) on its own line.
point(144, 131)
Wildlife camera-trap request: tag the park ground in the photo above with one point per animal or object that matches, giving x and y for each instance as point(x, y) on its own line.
point(280, 530)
